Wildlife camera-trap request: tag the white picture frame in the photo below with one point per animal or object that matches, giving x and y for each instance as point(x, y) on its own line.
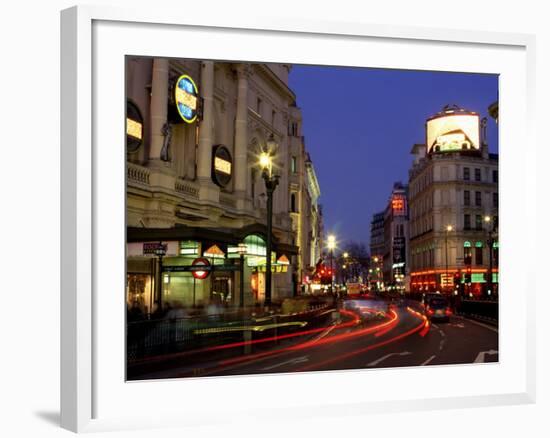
point(89, 399)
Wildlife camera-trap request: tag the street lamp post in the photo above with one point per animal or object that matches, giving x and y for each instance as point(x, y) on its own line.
point(448, 229)
point(345, 266)
point(241, 249)
point(490, 242)
point(331, 245)
point(160, 252)
point(271, 182)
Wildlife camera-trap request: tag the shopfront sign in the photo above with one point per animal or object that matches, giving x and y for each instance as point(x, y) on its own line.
point(154, 248)
point(134, 127)
point(186, 98)
point(222, 165)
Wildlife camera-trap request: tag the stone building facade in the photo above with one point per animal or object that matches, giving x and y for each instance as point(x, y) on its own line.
point(195, 189)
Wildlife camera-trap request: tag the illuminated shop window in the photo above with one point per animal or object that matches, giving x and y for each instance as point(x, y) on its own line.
point(189, 248)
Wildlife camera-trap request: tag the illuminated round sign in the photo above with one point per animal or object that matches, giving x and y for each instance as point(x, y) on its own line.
point(134, 127)
point(200, 268)
point(222, 165)
point(186, 98)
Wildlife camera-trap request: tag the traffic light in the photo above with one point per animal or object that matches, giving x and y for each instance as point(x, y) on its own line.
point(457, 279)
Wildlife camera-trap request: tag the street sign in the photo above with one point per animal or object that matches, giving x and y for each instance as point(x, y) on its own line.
point(201, 268)
point(198, 268)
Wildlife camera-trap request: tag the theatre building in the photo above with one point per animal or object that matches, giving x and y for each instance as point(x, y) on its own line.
point(453, 207)
point(196, 201)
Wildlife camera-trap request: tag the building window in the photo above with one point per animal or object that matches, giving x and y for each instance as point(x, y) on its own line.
point(466, 174)
point(478, 174)
point(478, 222)
point(495, 200)
point(478, 199)
point(495, 222)
point(467, 223)
point(259, 106)
point(444, 173)
point(495, 176)
point(294, 164)
point(293, 129)
point(273, 116)
point(479, 255)
point(467, 198)
point(293, 207)
point(467, 253)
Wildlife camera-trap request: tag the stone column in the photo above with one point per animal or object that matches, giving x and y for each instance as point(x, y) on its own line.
point(159, 106)
point(241, 135)
point(208, 191)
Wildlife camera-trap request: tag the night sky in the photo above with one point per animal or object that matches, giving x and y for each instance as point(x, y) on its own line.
point(360, 124)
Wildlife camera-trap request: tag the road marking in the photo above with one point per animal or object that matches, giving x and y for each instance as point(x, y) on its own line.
point(441, 344)
point(459, 325)
point(427, 361)
point(435, 326)
point(442, 333)
point(294, 361)
point(377, 361)
point(323, 334)
point(481, 355)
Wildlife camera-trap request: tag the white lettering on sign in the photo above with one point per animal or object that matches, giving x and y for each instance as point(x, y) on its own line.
point(134, 128)
point(186, 99)
point(222, 165)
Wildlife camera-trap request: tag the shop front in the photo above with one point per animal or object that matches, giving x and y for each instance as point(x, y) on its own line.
point(158, 282)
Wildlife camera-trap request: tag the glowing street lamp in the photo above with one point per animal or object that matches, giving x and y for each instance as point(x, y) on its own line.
point(448, 229)
point(241, 249)
point(492, 235)
point(271, 182)
point(331, 244)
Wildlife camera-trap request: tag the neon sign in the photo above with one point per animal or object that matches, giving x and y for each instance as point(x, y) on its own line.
point(186, 95)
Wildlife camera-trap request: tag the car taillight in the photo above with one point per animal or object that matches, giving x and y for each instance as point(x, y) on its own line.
point(430, 312)
point(448, 311)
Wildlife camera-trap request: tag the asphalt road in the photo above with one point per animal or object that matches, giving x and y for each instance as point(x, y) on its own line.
point(403, 339)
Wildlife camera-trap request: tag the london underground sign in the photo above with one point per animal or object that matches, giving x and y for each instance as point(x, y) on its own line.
point(200, 268)
point(186, 98)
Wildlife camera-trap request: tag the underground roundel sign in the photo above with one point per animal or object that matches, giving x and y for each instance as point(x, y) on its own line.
point(200, 268)
point(186, 97)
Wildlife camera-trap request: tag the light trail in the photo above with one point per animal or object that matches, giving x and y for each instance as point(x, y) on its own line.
point(354, 321)
point(318, 365)
point(308, 344)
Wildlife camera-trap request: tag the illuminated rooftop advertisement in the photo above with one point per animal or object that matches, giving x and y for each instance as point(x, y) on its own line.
point(453, 132)
point(398, 205)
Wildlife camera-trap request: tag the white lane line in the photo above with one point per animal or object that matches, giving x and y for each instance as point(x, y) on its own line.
point(479, 324)
point(427, 361)
point(481, 355)
point(377, 361)
point(294, 361)
point(323, 334)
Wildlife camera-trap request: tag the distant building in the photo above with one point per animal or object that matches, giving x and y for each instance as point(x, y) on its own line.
point(396, 239)
point(453, 206)
point(377, 250)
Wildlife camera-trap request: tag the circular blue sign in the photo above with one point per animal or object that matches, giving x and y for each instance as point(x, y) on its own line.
point(186, 98)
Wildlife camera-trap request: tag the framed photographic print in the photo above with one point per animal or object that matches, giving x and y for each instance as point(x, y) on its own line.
point(256, 215)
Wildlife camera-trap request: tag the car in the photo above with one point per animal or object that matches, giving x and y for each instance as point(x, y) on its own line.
point(437, 308)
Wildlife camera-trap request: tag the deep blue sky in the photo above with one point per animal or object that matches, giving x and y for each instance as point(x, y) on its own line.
point(360, 124)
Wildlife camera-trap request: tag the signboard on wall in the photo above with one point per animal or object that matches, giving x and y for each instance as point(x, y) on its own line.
point(186, 97)
point(134, 127)
point(222, 165)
